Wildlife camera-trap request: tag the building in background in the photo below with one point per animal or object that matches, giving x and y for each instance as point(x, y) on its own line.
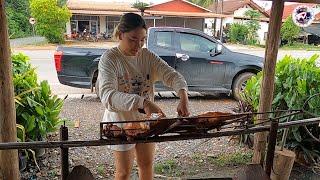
point(236, 9)
point(99, 16)
point(310, 34)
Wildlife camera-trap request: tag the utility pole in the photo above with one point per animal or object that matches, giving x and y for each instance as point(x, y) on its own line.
point(215, 2)
point(221, 22)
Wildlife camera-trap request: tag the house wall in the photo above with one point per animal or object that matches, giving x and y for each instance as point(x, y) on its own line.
point(108, 23)
point(176, 6)
point(68, 28)
point(262, 32)
point(102, 22)
point(210, 23)
point(194, 23)
point(238, 13)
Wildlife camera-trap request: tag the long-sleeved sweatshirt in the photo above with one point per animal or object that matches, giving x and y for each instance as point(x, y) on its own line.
point(125, 81)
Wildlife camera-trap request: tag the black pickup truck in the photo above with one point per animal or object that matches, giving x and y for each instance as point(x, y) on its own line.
point(207, 65)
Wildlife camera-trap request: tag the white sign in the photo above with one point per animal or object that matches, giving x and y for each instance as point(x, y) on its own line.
point(303, 16)
point(32, 21)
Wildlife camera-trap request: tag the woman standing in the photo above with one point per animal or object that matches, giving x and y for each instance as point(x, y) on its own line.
point(127, 74)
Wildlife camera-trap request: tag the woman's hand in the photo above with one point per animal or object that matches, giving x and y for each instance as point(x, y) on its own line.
point(150, 107)
point(183, 106)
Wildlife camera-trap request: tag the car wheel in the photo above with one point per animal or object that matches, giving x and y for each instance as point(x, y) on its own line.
point(96, 88)
point(240, 83)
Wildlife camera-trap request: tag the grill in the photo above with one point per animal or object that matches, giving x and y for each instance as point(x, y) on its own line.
point(211, 124)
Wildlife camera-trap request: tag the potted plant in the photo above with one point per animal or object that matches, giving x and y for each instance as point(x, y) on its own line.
point(41, 115)
point(23, 154)
point(37, 110)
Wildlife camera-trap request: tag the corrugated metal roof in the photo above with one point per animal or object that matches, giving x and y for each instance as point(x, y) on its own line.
point(288, 9)
point(90, 12)
point(313, 29)
point(92, 7)
point(99, 6)
point(186, 14)
point(232, 5)
point(184, 1)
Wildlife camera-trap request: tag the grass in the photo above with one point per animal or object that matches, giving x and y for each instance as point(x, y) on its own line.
point(167, 167)
point(236, 158)
point(101, 169)
point(69, 123)
point(198, 158)
point(294, 46)
point(301, 46)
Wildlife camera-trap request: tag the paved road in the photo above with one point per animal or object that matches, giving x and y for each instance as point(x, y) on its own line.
point(261, 52)
point(43, 60)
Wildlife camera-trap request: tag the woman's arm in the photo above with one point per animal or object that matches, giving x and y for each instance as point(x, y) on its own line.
point(170, 77)
point(183, 106)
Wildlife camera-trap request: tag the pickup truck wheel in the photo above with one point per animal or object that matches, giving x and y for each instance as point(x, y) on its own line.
point(96, 88)
point(240, 83)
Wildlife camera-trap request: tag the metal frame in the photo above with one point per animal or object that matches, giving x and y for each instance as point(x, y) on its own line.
point(64, 144)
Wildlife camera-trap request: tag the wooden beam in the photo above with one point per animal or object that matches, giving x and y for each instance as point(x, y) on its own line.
point(267, 86)
point(9, 165)
point(164, 138)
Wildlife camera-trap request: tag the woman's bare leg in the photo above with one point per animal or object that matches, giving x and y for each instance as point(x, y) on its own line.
point(145, 155)
point(123, 162)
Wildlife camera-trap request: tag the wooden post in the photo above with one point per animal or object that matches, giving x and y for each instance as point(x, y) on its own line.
point(271, 146)
point(266, 93)
point(64, 153)
point(9, 166)
point(282, 164)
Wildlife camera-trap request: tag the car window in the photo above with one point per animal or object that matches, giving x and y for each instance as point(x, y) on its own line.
point(195, 43)
point(164, 39)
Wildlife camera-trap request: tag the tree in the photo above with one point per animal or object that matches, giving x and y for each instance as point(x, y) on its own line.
point(253, 25)
point(203, 3)
point(51, 19)
point(141, 6)
point(238, 33)
point(289, 30)
point(18, 15)
point(62, 2)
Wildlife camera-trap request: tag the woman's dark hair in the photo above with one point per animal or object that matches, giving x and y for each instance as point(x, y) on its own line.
point(129, 22)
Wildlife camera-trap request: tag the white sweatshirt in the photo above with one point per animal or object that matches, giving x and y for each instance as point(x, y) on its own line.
point(125, 81)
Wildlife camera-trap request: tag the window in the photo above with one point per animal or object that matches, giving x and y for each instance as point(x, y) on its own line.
point(94, 25)
point(195, 43)
point(164, 39)
point(111, 23)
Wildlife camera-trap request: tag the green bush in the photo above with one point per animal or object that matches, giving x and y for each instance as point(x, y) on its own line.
point(253, 26)
point(18, 15)
point(295, 81)
point(238, 33)
point(37, 110)
point(51, 19)
point(289, 30)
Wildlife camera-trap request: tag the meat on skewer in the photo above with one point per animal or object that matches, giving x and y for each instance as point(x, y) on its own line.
point(207, 121)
